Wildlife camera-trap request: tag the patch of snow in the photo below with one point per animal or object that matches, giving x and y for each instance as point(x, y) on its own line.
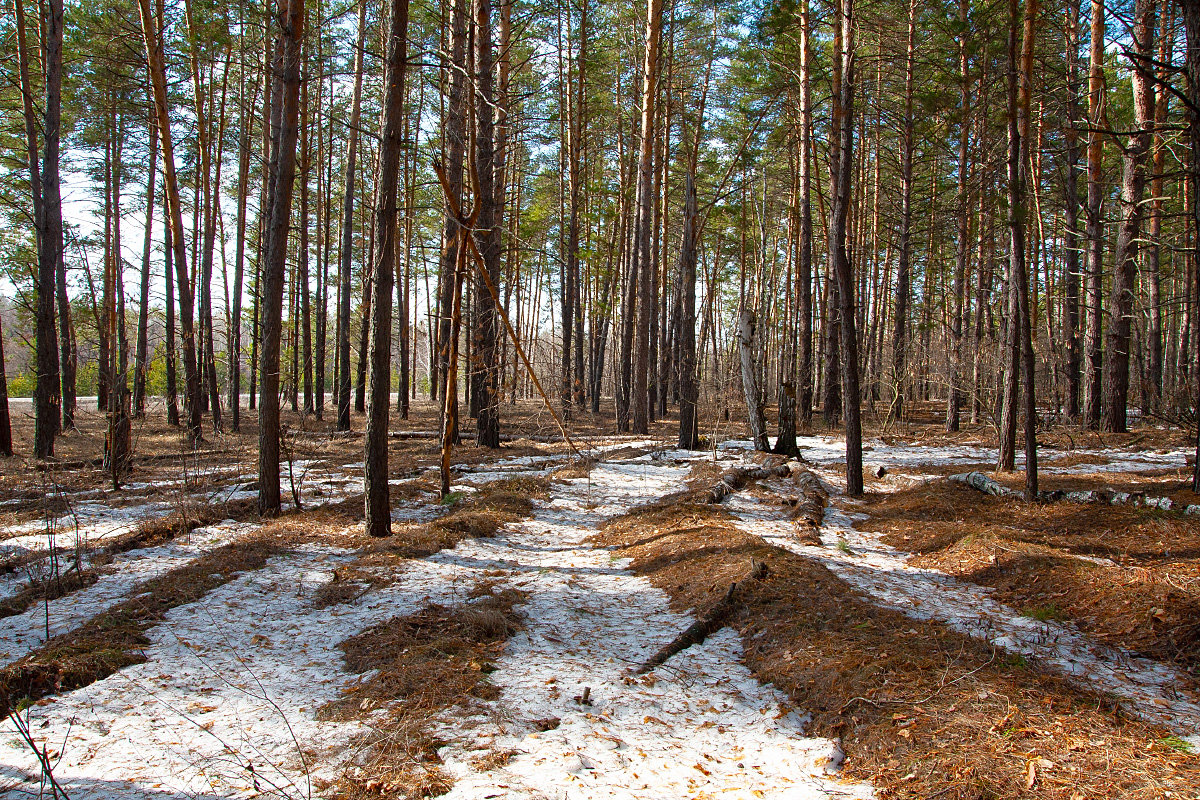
point(1152, 689)
point(700, 724)
point(21, 633)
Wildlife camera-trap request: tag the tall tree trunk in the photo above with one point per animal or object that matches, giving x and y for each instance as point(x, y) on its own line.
point(484, 352)
point(903, 266)
point(47, 398)
point(1019, 80)
point(141, 358)
point(1071, 311)
point(5, 422)
point(1133, 182)
point(305, 296)
point(1094, 352)
point(235, 332)
point(804, 297)
point(158, 80)
point(169, 336)
point(644, 220)
point(689, 386)
point(347, 247)
point(841, 166)
point(287, 96)
point(962, 243)
point(378, 510)
point(1154, 369)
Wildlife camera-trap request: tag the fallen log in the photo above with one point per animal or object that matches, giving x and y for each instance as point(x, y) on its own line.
point(704, 627)
point(977, 480)
point(735, 478)
point(808, 507)
point(1112, 497)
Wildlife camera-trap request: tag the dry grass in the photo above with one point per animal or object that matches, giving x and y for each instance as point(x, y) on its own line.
point(424, 664)
point(115, 638)
point(1128, 576)
point(922, 711)
point(46, 589)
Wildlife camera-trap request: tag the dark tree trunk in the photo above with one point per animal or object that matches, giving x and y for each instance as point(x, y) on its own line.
point(5, 422)
point(1094, 352)
point(804, 297)
point(842, 164)
point(378, 510)
point(643, 221)
point(903, 264)
point(287, 95)
point(689, 386)
point(1133, 182)
point(47, 398)
point(962, 243)
point(347, 247)
point(1071, 315)
point(484, 352)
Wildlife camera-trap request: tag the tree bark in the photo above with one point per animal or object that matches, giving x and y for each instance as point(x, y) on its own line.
point(1094, 352)
point(903, 265)
point(484, 352)
point(47, 401)
point(643, 221)
point(158, 81)
point(1071, 310)
point(1133, 182)
point(747, 346)
point(347, 248)
point(378, 510)
point(841, 166)
point(287, 96)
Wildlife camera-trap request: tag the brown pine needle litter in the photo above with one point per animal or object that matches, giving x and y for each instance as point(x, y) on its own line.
point(921, 711)
point(424, 664)
point(1128, 576)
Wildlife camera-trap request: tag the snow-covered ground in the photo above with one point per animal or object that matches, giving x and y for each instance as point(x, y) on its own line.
point(702, 725)
point(1150, 688)
point(225, 704)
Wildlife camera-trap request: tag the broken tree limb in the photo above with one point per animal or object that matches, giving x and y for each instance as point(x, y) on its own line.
point(1112, 497)
point(704, 627)
point(452, 203)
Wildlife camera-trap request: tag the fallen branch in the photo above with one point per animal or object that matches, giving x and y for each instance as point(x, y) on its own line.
point(702, 628)
point(977, 480)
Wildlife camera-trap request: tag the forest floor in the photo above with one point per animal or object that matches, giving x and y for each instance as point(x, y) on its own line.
point(928, 641)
